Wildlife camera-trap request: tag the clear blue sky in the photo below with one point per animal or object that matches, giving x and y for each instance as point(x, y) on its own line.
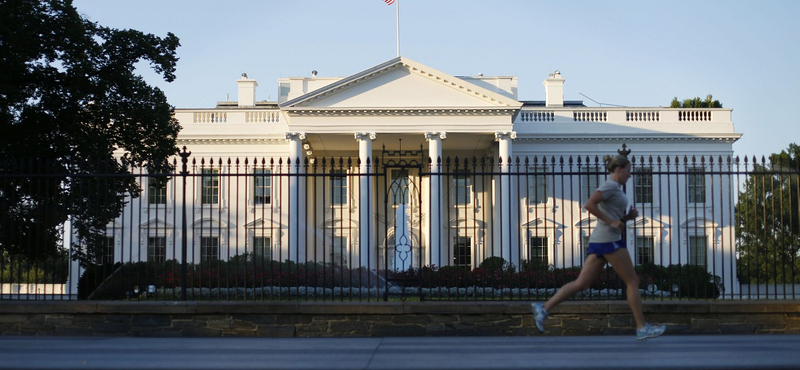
point(633, 53)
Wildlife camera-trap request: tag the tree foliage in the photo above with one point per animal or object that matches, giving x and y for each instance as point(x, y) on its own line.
point(72, 106)
point(709, 102)
point(768, 220)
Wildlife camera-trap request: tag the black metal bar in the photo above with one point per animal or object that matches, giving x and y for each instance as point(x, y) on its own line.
point(184, 265)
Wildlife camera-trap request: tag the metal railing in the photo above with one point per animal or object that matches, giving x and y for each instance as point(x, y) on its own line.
point(248, 229)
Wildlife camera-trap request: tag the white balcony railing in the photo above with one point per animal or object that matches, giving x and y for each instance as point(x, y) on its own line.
point(624, 116)
point(230, 116)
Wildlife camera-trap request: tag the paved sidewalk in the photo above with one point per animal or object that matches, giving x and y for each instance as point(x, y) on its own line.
point(668, 352)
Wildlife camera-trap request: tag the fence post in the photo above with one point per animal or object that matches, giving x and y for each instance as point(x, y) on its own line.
point(184, 173)
point(624, 152)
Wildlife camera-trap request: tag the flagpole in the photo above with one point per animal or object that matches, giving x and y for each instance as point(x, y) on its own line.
point(398, 27)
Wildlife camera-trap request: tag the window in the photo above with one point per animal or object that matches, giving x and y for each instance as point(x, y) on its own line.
point(644, 250)
point(697, 250)
point(538, 249)
point(462, 190)
point(590, 181)
point(156, 249)
point(209, 192)
point(156, 190)
point(339, 250)
point(696, 185)
point(462, 251)
point(399, 187)
point(537, 186)
point(338, 187)
point(643, 186)
point(209, 248)
point(262, 248)
point(107, 252)
point(262, 186)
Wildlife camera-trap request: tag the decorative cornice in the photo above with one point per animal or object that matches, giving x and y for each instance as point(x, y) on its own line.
point(231, 141)
point(292, 136)
point(471, 111)
point(365, 135)
point(505, 135)
point(435, 135)
point(617, 138)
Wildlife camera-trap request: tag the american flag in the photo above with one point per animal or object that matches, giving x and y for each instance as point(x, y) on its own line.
point(388, 2)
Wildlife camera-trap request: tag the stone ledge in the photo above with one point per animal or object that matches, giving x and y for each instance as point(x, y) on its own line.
point(392, 308)
point(329, 319)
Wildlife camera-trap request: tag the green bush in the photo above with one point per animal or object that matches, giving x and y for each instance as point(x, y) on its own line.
point(691, 281)
point(534, 265)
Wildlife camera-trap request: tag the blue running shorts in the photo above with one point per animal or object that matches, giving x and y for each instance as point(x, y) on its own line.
point(604, 248)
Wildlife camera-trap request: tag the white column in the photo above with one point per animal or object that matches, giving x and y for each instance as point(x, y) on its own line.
point(505, 211)
point(436, 245)
point(297, 197)
point(367, 257)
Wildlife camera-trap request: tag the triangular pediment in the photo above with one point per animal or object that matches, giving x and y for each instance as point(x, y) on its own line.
point(401, 84)
point(262, 223)
point(647, 222)
point(542, 223)
point(698, 223)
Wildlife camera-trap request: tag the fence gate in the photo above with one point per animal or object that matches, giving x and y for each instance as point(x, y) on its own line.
point(401, 217)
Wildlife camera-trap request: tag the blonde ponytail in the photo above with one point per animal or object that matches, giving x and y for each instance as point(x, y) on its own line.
point(614, 161)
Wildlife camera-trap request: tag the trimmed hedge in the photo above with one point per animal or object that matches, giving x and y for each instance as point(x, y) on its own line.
point(242, 272)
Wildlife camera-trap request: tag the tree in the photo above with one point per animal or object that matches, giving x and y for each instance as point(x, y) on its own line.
point(69, 99)
point(695, 103)
point(768, 220)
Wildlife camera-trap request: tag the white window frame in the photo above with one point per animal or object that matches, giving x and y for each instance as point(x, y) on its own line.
point(590, 181)
point(640, 246)
point(265, 174)
point(152, 257)
point(693, 257)
point(215, 172)
point(265, 248)
point(150, 192)
point(547, 246)
point(339, 250)
point(462, 200)
point(470, 245)
point(643, 172)
point(537, 181)
point(339, 173)
point(204, 256)
point(696, 172)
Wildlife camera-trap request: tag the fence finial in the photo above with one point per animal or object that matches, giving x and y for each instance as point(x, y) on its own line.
point(624, 151)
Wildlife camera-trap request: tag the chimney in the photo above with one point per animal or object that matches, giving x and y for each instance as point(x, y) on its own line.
point(554, 90)
point(247, 91)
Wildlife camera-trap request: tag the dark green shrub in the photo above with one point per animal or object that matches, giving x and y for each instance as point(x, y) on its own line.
point(693, 281)
point(534, 265)
point(92, 277)
point(496, 263)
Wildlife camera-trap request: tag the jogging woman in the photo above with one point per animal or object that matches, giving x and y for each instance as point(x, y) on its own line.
point(609, 204)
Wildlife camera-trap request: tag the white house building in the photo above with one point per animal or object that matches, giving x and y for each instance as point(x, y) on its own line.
point(337, 170)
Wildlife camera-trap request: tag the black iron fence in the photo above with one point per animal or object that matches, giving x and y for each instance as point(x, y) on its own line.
point(400, 227)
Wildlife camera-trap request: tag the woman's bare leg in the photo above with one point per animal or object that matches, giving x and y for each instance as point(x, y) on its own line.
point(621, 261)
point(589, 273)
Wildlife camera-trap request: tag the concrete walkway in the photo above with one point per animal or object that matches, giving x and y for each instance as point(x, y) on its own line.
point(614, 352)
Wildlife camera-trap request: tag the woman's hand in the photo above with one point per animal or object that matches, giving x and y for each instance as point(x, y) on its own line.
point(632, 214)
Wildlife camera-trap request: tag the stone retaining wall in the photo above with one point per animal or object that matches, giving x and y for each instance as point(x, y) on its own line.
point(383, 319)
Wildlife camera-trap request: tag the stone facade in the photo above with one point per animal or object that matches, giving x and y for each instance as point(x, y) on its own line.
point(385, 319)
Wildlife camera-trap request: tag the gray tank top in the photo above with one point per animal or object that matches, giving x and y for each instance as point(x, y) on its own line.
point(614, 205)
